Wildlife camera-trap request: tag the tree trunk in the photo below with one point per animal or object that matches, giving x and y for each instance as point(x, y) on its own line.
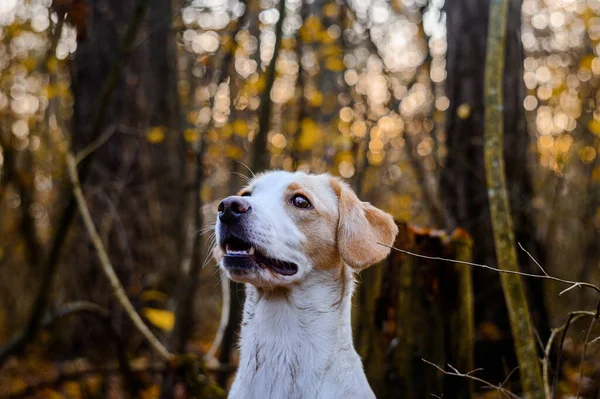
point(133, 183)
point(418, 309)
point(463, 185)
point(504, 239)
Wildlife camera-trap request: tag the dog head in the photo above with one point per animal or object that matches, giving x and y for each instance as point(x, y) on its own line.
point(283, 226)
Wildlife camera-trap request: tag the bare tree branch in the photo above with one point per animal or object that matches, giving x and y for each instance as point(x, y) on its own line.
point(506, 393)
point(560, 280)
point(106, 265)
point(573, 316)
point(94, 145)
point(585, 346)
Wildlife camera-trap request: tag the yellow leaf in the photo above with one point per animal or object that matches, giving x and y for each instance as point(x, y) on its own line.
point(156, 134)
point(375, 158)
point(315, 98)
point(344, 156)
point(191, 136)
point(163, 319)
point(240, 127)
point(326, 38)
point(463, 111)
point(223, 132)
point(29, 63)
point(52, 64)
point(51, 91)
point(256, 84)
point(594, 126)
point(192, 117)
point(334, 64)
point(309, 135)
point(586, 62)
point(309, 32)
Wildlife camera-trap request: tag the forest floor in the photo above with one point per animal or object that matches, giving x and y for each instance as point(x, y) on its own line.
point(34, 376)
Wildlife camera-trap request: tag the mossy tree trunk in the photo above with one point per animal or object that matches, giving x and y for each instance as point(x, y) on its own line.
point(502, 226)
point(463, 184)
point(412, 309)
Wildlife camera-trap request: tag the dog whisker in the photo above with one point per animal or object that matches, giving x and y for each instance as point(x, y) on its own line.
point(212, 245)
point(247, 180)
point(209, 227)
point(204, 232)
point(247, 167)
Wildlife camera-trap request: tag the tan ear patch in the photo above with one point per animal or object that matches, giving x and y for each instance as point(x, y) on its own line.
point(361, 227)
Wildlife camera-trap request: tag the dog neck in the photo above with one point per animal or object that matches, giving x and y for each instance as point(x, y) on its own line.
point(292, 339)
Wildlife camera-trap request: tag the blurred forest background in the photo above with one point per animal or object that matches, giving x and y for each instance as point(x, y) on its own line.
point(164, 106)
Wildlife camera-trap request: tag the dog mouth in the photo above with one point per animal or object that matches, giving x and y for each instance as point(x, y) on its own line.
point(241, 256)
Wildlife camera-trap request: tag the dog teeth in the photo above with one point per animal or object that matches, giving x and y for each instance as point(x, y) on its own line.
point(249, 251)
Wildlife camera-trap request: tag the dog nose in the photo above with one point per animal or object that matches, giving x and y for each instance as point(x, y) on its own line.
point(232, 208)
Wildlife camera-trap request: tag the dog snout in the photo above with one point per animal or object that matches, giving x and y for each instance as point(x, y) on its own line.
point(231, 209)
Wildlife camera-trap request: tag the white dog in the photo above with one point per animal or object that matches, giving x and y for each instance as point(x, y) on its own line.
point(297, 240)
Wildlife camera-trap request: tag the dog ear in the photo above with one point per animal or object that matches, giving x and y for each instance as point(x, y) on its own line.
point(360, 228)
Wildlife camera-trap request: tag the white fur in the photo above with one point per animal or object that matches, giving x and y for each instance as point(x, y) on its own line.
point(296, 338)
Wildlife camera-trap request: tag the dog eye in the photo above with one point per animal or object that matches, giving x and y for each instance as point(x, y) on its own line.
point(300, 201)
point(246, 194)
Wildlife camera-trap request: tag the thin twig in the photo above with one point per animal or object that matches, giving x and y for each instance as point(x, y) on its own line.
point(594, 340)
point(508, 376)
point(470, 376)
point(569, 289)
point(94, 145)
point(573, 316)
point(585, 345)
point(533, 259)
point(106, 265)
point(560, 280)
